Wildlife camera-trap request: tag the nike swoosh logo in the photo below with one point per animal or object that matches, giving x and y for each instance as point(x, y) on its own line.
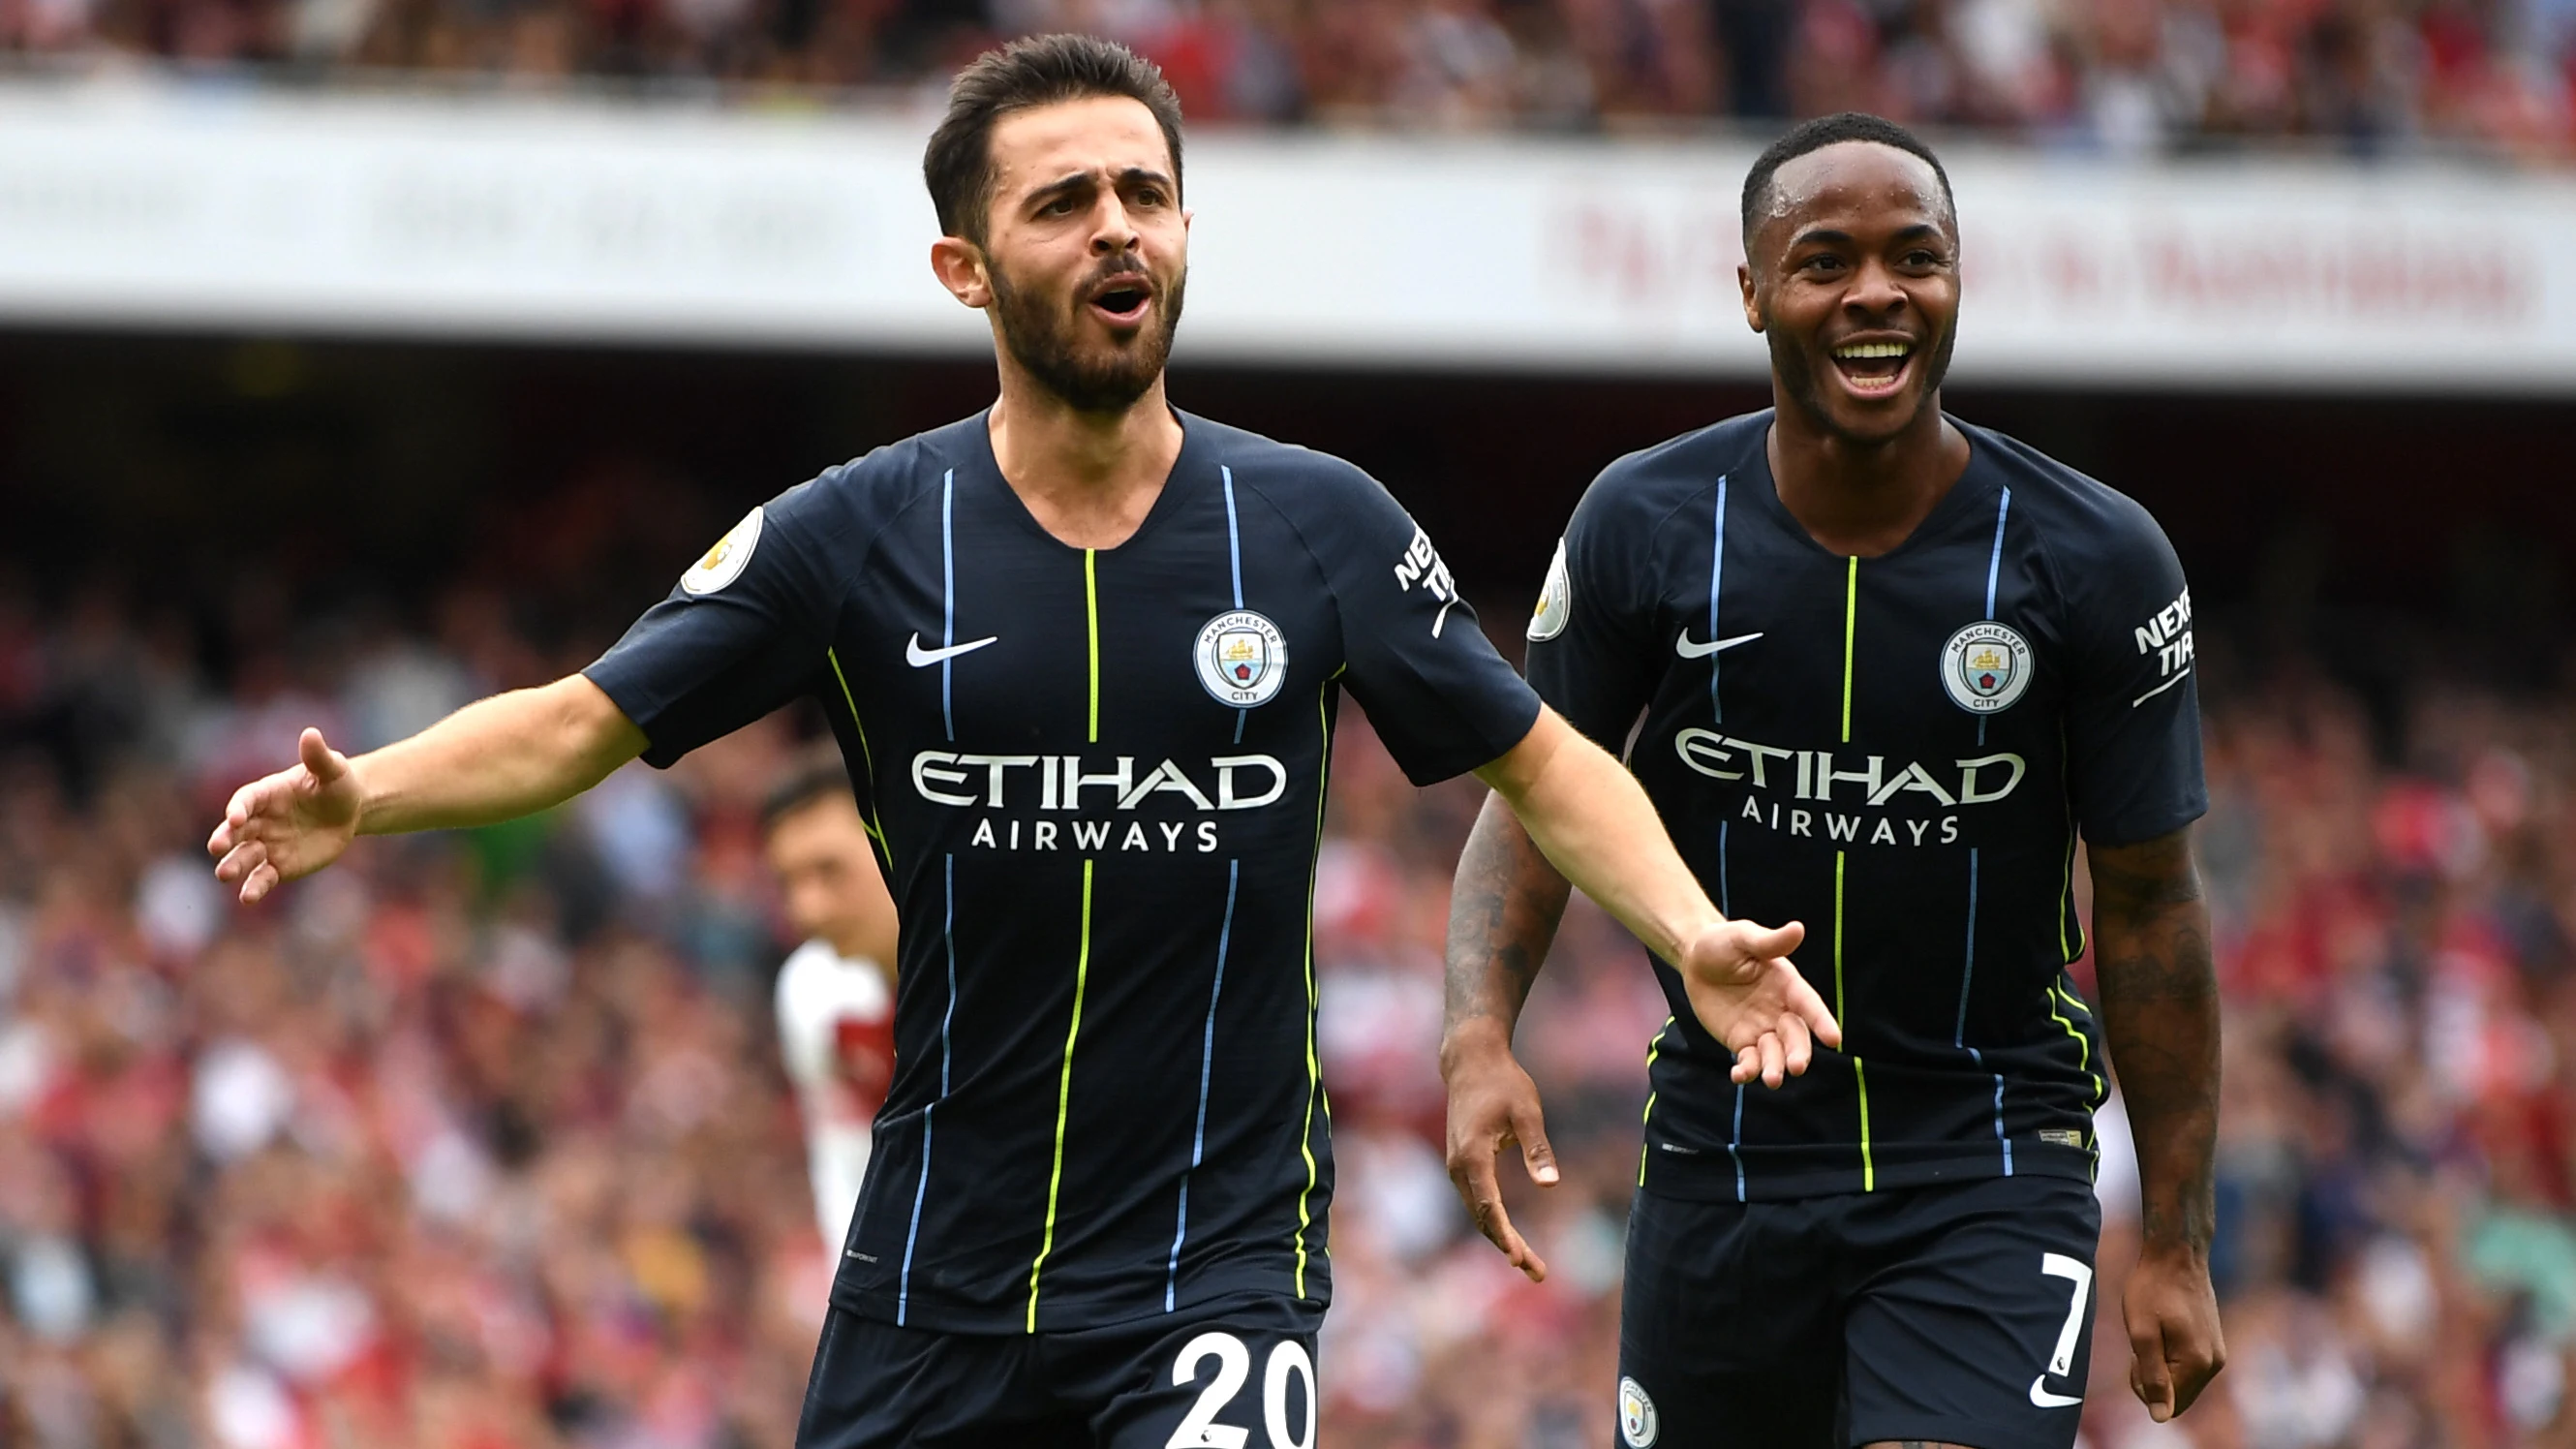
point(1688, 650)
point(2040, 1397)
point(921, 658)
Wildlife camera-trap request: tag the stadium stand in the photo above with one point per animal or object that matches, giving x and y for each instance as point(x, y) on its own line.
point(2362, 77)
point(479, 1142)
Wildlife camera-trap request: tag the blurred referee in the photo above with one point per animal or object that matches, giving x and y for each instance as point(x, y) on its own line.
point(1890, 666)
point(1083, 654)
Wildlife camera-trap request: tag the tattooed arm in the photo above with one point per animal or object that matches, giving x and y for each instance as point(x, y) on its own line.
point(2160, 1010)
point(1503, 915)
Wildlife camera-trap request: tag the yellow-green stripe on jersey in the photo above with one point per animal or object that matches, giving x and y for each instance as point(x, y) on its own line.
point(1314, 1065)
point(1091, 617)
point(1082, 953)
point(1063, 1097)
point(1654, 1049)
point(1860, 1069)
point(1851, 622)
point(867, 757)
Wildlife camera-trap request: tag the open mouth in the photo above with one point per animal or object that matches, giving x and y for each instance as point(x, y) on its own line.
point(1874, 367)
point(1124, 300)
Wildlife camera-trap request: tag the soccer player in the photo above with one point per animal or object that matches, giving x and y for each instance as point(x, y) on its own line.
point(835, 998)
point(1083, 654)
point(1890, 667)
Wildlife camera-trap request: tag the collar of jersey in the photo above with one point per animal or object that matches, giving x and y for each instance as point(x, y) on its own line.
point(1978, 482)
point(1191, 471)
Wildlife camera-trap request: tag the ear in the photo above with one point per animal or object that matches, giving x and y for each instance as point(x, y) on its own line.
point(959, 265)
point(1752, 304)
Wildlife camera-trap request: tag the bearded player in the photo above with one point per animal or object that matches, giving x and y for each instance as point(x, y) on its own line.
point(1891, 667)
point(1083, 654)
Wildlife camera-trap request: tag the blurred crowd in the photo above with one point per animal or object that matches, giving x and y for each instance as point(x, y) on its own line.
point(2117, 76)
point(480, 1141)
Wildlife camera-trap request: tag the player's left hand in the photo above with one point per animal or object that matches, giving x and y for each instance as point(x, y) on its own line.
point(1747, 994)
point(2174, 1340)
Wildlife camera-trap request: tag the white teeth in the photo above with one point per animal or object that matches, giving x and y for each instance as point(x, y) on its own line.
point(1854, 351)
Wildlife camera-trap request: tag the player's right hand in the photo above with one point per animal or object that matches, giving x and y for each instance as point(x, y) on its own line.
point(288, 825)
point(1493, 1104)
point(1749, 996)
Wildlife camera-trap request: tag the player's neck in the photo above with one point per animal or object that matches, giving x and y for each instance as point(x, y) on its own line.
point(1864, 499)
point(1089, 478)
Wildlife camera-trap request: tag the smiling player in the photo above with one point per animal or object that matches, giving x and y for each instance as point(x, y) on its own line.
point(1890, 667)
point(1083, 654)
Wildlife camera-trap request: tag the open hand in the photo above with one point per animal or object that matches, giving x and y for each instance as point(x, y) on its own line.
point(1493, 1104)
point(288, 825)
point(1747, 994)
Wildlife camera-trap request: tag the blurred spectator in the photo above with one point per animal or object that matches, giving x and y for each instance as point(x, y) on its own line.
point(2122, 76)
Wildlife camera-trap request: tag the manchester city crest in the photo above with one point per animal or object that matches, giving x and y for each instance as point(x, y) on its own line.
point(1985, 667)
point(1638, 1422)
point(1242, 659)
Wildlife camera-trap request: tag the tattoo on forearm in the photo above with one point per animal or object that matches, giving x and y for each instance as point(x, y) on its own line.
point(2160, 1012)
point(1504, 914)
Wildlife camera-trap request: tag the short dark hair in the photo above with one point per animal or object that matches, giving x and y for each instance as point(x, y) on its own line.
point(1037, 70)
point(815, 777)
point(1833, 130)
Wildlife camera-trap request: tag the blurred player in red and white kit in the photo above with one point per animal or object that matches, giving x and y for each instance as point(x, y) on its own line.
point(836, 992)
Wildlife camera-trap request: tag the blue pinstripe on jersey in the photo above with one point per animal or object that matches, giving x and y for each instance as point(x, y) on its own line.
point(1968, 970)
point(921, 1189)
point(947, 595)
point(1207, 1068)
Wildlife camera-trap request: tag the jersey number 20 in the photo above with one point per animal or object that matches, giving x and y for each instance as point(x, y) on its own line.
point(1199, 1430)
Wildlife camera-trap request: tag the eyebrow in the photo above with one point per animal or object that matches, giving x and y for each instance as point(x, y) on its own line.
point(1828, 236)
point(1083, 180)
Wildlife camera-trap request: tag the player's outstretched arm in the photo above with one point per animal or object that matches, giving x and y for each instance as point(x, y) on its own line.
point(1594, 823)
point(1503, 914)
point(497, 759)
point(2160, 1011)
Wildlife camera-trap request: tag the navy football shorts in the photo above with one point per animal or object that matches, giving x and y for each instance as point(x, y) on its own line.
point(1958, 1315)
point(1240, 1373)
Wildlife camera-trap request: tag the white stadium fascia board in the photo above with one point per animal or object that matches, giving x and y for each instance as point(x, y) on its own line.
point(145, 203)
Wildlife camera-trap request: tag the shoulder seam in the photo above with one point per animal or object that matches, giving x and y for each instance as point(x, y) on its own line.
point(868, 551)
point(1297, 530)
point(1696, 492)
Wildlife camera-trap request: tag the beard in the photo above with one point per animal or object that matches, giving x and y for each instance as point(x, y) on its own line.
point(1800, 372)
point(1044, 336)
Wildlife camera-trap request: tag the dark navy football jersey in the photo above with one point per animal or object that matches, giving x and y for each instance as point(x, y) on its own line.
point(1900, 752)
point(1097, 781)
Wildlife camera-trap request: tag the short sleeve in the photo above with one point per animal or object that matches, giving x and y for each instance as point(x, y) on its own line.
point(1588, 655)
point(2133, 717)
point(1442, 700)
point(742, 633)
